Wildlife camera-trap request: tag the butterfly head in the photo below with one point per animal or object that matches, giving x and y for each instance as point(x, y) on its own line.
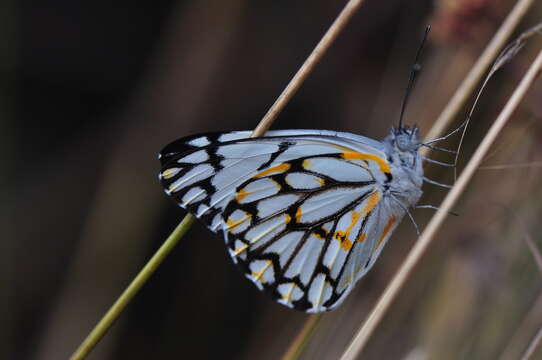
point(402, 146)
point(404, 139)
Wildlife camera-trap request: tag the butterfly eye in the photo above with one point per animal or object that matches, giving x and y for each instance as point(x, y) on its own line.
point(403, 142)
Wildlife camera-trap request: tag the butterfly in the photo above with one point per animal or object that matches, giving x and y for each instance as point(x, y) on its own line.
point(304, 213)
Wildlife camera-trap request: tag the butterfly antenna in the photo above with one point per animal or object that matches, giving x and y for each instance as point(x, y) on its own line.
point(413, 74)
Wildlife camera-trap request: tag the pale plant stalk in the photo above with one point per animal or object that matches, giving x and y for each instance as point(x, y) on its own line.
point(307, 67)
point(534, 250)
point(535, 343)
point(468, 86)
point(363, 335)
point(535, 311)
point(124, 299)
point(525, 329)
point(464, 91)
point(529, 165)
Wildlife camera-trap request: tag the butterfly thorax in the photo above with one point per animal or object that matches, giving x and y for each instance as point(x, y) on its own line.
point(401, 147)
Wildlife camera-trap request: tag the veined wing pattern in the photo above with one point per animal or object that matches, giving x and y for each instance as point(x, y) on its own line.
point(304, 213)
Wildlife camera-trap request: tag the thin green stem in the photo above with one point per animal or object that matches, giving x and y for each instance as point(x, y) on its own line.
point(302, 339)
point(113, 313)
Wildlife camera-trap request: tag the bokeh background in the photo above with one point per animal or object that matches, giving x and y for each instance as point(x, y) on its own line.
point(91, 91)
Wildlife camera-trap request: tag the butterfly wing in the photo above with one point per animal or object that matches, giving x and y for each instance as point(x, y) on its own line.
point(300, 211)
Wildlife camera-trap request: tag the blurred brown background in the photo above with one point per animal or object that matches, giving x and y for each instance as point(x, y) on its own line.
point(91, 91)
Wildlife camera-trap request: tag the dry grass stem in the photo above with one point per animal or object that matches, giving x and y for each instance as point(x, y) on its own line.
point(309, 64)
point(534, 313)
point(533, 164)
point(533, 346)
point(509, 52)
point(534, 250)
point(478, 70)
point(535, 343)
point(120, 304)
point(363, 335)
point(527, 326)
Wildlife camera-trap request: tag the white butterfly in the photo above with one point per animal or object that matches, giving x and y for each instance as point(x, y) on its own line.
point(304, 213)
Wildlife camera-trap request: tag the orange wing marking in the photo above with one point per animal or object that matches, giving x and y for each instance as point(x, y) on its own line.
point(298, 214)
point(241, 195)
point(233, 223)
point(362, 238)
point(168, 173)
point(288, 295)
point(387, 229)
point(279, 169)
point(240, 249)
point(352, 155)
point(318, 236)
point(259, 274)
point(343, 236)
point(373, 200)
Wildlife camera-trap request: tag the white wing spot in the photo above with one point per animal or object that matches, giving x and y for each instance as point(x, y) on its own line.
point(334, 258)
point(169, 173)
point(217, 222)
point(195, 158)
point(238, 221)
point(199, 142)
point(285, 246)
point(239, 251)
point(319, 292)
point(264, 232)
point(305, 260)
point(193, 195)
point(202, 209)
point(327, 203)
point(302, 148)
point(276, 204)
point(257, 190)
point(339, 170)
point(242, 150)
point(235, 135)
point(236, 171)
point(290, 292)
point(262, 271)
point(304, 181)
point(198, 173)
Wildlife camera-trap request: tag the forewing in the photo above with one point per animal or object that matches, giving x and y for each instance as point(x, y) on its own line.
point(294, 209)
